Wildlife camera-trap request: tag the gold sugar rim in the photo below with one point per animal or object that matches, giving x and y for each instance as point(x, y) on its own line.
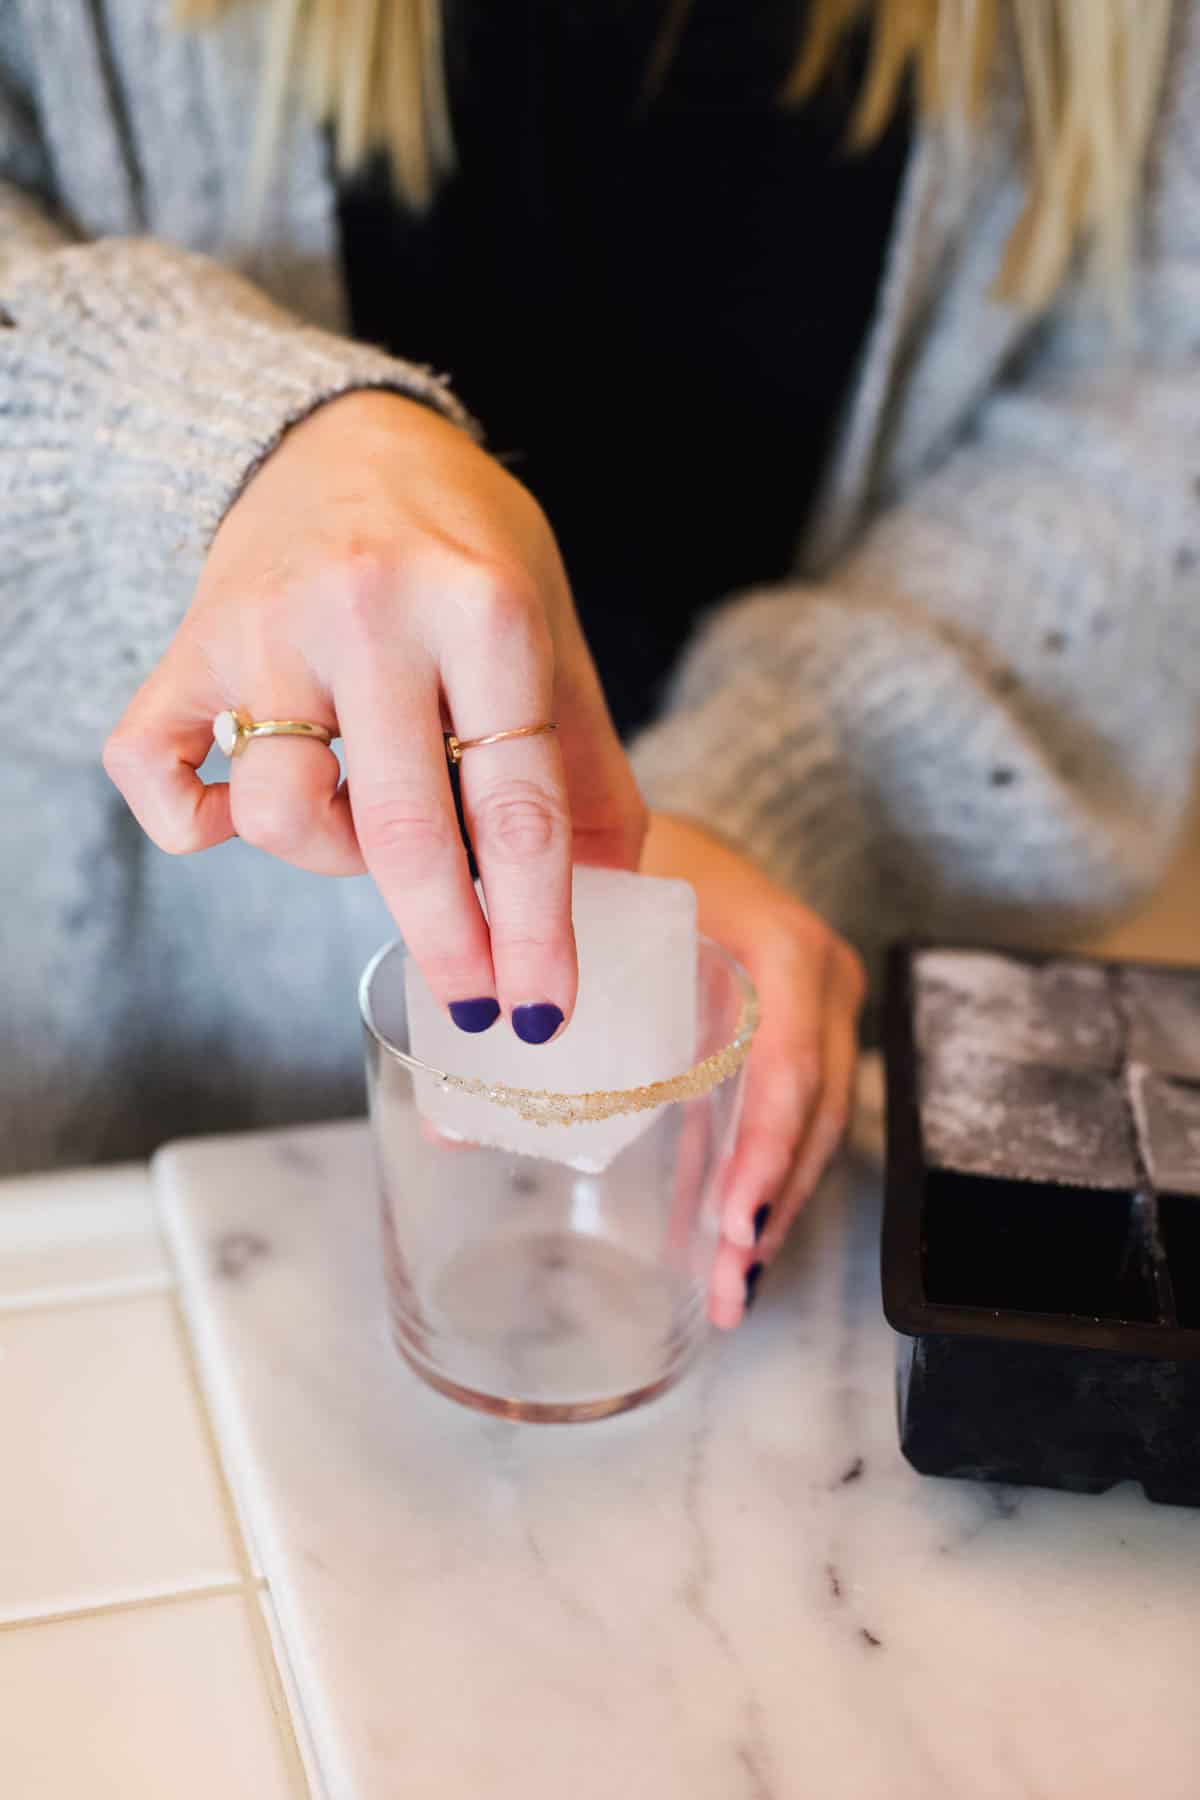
point(542, 1106)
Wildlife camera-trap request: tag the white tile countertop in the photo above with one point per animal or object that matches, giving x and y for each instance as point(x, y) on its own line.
point(136, 1658)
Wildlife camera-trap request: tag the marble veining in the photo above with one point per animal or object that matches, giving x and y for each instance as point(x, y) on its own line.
point(739, 1593)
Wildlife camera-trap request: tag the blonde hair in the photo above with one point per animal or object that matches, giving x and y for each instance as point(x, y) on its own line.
point(1091, 69)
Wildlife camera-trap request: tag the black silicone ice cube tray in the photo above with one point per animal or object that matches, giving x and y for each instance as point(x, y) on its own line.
point(1041, 1241)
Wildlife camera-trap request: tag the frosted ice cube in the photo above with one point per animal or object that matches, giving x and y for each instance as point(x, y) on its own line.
point(634, 1023)
point(984, 1115)
point(1164, 1019)
point(1059, 1013)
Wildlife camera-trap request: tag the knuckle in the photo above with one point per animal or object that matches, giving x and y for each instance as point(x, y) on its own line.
point(362, 578)
point(616, 838)
point(768, 1153)
point(269, 822)
point(503, 599)
point(177, 836)
point(122, 758)
point(788, 1088)
point(450, 974)
point(518, 820)
point(784, 1096)
point(517, 946)
point(807, 931)
point(794, 949)
point(264, 611)
point(411, 839)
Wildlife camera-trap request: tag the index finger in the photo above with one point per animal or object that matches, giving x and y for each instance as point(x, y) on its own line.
point(404, 817)
point(154, 755)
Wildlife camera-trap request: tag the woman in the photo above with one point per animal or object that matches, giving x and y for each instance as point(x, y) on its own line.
point(967, 703)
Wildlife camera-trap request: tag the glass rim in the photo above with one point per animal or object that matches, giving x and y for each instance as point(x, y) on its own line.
point(545, 1107)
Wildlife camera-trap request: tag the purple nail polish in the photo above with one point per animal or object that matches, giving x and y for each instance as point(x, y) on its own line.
point(761, 1218)
point(753, 1277)
point(536, 1024)
point(475, 1015)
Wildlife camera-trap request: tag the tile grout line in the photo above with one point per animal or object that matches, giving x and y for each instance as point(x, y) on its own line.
point(250, 1585)
point(103, 1609)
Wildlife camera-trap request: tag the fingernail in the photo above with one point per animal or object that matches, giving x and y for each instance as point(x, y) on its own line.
point(475, 1015)
point(536, 1024)
point(760, 1220)
point(753, 1277)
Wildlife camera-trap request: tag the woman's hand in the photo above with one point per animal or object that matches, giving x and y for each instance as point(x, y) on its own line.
point(801, 1069)
point(382, 576)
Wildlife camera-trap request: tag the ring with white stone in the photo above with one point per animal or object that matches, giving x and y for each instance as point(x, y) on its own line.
point(233, 730)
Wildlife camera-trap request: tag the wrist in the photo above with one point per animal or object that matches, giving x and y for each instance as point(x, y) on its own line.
point(668, 833)
point(365, 412)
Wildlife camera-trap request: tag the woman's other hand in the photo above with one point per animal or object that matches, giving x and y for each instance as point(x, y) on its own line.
point(800, 1074)
point(382, 576)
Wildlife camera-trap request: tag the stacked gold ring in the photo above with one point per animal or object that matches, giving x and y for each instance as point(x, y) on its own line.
point(233, 730)
point(455, 746)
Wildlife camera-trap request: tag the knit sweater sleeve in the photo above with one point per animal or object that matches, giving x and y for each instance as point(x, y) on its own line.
point(140, 385)
point(984, 719)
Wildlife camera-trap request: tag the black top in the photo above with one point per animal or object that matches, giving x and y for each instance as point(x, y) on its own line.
point(653, 306)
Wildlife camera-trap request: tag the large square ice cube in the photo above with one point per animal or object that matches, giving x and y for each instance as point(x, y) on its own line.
point(1058, 1013)
point(1164, 1019)
point(984, 1115)
point(634, 1023)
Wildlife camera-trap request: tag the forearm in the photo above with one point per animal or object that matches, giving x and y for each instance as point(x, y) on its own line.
point(140, 386)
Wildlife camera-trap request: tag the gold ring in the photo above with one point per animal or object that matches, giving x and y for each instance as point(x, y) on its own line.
point(232, 731)
point(455, 746)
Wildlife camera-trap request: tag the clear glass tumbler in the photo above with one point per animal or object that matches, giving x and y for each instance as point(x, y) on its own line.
point(529, 1288)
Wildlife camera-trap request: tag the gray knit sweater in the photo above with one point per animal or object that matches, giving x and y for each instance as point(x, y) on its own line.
point(974, 710)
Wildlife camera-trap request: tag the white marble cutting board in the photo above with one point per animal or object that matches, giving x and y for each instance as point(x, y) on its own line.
point(741, 1593)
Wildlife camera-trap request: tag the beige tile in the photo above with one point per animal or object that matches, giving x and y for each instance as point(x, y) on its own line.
point(228, 1432)
point(83, 1232)
point(109, 1489)
point(165, 1702)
